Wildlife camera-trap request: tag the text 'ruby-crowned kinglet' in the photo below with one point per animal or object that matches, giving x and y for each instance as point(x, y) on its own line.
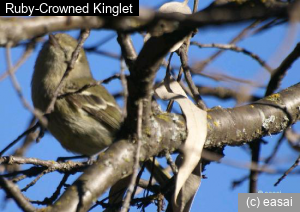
point(84, 122)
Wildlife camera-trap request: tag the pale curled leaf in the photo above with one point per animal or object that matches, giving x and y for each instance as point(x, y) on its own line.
point(196, 121)
point(175, 7)
point(188, 191)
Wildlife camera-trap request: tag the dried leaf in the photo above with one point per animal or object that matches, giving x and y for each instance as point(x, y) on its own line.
point(196, 121)
point(175, 7)
point(189, 189)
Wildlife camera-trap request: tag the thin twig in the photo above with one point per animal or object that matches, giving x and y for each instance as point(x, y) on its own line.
point(105, 53)
point(17, 87)
point(263, 167)
point(126, 202)
point(268, 25)
point(20, 175)
point(32, 129)
point(275, 150)
point(56, 166)
point(101, 42)
point(279, 73)
point(215, 76)
point(171, 102)
point(226, 78)
point(188, 77)
point(183, 51)
point(293, 138)
point(211, 156)
point(237, 38)
point(139, 176)
point(171, 163)
point(150, 182)
point(235, 48)
point(274, 83)
point(187, 42)
point(36, 179)
point(288, 171)
point(226, 93)
point(196, 3)
point(28, 140)
point(125, 89)
point(28, 50)
point(13, 191)
point(49, 201)
point(236, 183)
point(19, 178)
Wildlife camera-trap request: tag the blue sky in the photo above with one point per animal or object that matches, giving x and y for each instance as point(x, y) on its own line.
point(215, 193)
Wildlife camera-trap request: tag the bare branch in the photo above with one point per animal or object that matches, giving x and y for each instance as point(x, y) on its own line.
point(125, 88)
point(232, 12)
point(28, 28)
point(32, 183)
point(13, 191)
point(233, 47)
point(128, 52)
point(28, 50)
point(264, 117)
point(127, 199)
point(17, 87)
point(188, 77)
point(240, 36)
point(278, 73)
point(49, 201)
point(140, 82)
point(288, 171)
point(30, 130)
point(49, 164)
point(225, 93)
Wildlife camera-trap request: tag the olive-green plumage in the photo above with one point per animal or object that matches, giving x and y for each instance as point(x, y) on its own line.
point(84, 122)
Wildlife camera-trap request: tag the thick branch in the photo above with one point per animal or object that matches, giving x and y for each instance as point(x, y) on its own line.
point(117, 162)
point(128, 52)
point(226, 127)
point(140, 82)
point(18, 29)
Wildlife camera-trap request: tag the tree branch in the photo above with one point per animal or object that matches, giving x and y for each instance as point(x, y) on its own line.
point(267, 116)
point(278, 73)
point(13, 191)
point(232, 12)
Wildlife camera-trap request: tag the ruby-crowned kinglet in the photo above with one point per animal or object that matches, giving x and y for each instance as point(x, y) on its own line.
point(84, 122)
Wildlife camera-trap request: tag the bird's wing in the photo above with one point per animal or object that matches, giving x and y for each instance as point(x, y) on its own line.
point(96, 102)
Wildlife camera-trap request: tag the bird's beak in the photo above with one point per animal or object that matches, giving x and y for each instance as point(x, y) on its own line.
point(53, 41)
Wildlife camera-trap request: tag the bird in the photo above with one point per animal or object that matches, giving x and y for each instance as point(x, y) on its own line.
point(84, 122)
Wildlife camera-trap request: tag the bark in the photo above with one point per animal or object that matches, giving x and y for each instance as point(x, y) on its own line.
point(233, 127)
